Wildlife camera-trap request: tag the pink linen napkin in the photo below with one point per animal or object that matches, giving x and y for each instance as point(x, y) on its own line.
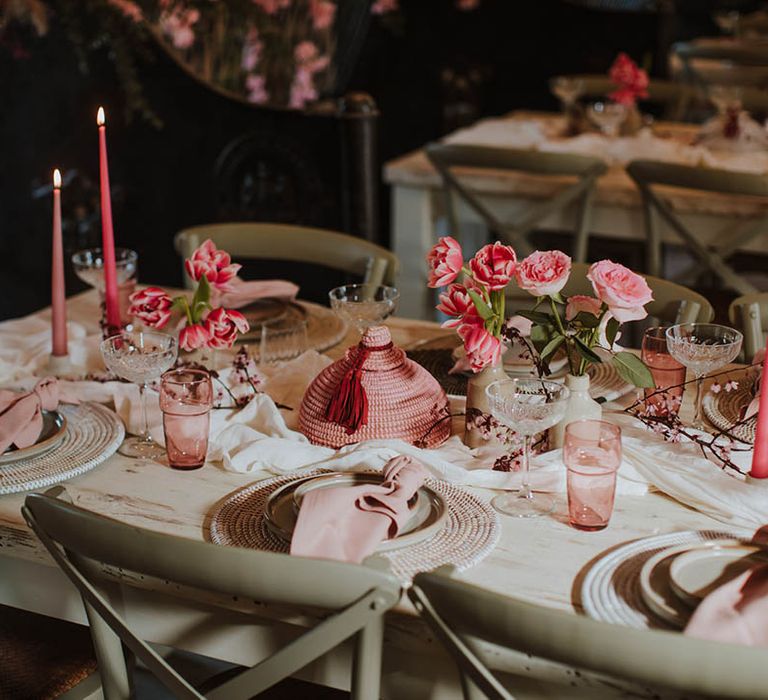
point(242, 293)
point(21, 417)
point(348, 523)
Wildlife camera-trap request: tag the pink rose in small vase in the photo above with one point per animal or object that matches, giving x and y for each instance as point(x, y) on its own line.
point(581, 302)
point(222, 327)
point(193, 337)
point(543, 273)
point(483, 349)
point(445, 262)
point(216, 265)
point(455, 301)
point(624, 292)
point(152, 306)
point(494, 265)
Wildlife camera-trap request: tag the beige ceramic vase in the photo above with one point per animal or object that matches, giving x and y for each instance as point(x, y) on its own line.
point(580, 405)
point(478, 401)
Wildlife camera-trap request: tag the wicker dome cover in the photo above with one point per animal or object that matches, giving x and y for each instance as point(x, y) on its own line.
point(404, 400)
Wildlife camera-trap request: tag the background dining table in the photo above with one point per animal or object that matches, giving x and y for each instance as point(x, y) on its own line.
point(541, 559)
point(418, 212)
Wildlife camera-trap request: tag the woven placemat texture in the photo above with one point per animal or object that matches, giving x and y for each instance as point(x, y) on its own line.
point(724, 410)
point(471, 532)
point(93, 434)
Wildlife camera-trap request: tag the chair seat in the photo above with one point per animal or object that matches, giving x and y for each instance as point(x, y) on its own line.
point(41, 657)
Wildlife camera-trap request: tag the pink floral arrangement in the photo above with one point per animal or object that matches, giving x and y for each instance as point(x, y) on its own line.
point(202, 325)
point(576, 325)
point(631, 81)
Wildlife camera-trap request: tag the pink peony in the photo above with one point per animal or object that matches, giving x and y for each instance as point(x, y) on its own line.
point(455, 301)
point(624, 292)
point(543, 273)
point(193, 337)
point(222, 327)
point(445, 262)
point(152, 306)
point(631, 81)
point(483, 349)
point(215, 264)
point(582, 302)
point(494, 265)
point(323, 12)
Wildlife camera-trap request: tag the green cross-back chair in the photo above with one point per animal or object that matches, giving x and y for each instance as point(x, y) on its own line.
point(448, 157)
point(750, 314)
point(355, 597)
point(738, 60)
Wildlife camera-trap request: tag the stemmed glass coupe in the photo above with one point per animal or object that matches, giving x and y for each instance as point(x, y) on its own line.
point(364, 305)
point(703, 348)
point(140, 357)
point(567, 90)
point(608, 116)
point(527, 406)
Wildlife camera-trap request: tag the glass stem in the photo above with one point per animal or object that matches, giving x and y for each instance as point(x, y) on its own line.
point(144, 434)
point(525, 487)
point(697, 416)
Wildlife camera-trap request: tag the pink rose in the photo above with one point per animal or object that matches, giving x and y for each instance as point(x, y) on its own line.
point(152, 306)
point(455, 301)
point(483, 349)
point(543, 273)
point(445, 262)
point(581, 302)
point(223, 325)
point(624, 292)
point(193, 337)
point(215, 264)
point(494, 265)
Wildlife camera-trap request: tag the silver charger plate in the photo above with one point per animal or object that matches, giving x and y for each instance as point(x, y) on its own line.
point(54, 429)
point(429, 511)
point(611, 589)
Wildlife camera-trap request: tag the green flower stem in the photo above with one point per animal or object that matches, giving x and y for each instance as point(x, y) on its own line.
point(560, 327)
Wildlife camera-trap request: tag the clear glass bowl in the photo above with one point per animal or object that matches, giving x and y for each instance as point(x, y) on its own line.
point(364, 305)
point(89, 266)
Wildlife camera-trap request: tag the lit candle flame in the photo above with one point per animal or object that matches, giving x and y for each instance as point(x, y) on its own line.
point(100, 119)
point(56, 179)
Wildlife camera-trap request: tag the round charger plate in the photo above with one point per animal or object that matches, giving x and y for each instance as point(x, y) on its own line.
point(471, 529)
point(92, 435)
point(723, 411)
point(54, 428)
point(429, 511)
point(611, 592)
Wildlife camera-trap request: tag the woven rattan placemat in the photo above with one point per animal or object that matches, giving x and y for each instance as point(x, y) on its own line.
point(93, 434)
point(471, 532)
point(724, 411)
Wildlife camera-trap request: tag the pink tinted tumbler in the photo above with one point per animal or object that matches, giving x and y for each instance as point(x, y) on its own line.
point(592, 455)
point(186, 396)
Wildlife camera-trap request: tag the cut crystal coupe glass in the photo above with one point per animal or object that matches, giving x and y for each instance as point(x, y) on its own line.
point(364, 305)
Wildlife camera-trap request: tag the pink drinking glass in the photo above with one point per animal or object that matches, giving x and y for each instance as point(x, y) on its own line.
point(186, 396)
point(668, 373)
point(592, 455)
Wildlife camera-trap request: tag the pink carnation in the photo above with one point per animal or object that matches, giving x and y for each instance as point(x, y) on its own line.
point(152, 306)
point(543, 273)
point(215, 264)
point(445, 262)
point(222, 327)
point(581, 302)
point(624, 292)
point(494, 265)
point(482, 348)
point(193, 337)
point(455, 301)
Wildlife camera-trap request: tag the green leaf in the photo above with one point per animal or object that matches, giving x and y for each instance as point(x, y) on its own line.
point(179, 304)
point(202, 293)
point(586, 352)
point(537, 317)
point(611, 329)
point(558, 298)
point(540, 336)
point(551, 347)
point(587, 320)
point(631, 369)
point(485, 311)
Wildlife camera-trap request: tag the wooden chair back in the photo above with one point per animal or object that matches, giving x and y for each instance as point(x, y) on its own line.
point(450, 158)
point(83, 543)
point(267, 241)
point(739, 61)
point(749, 313)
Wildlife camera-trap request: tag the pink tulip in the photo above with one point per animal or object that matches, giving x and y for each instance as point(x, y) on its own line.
point(543, 273)
point(215, 264)
point(455, 301)
point(193, 337)
point(482, 348)
point(222, 327)
point(494, 265)
point(581, 302)
point(445, 262)
point(152, 306)
point(624, 292)
point(631, 81)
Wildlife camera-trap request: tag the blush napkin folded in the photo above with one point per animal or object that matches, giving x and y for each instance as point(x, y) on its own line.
point(242, 293)
point(21, 414)
point(349, 523)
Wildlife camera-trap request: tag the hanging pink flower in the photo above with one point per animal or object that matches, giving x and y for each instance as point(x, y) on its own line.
point(494, 265)
point(322, 12)
point(215, 264)
point(152, 306)
point(193, 337)
point(631, 81)
point(252, 48)
point(177, 24)
point(624, 292)
point(257, 89)
point(483, 349)
point(445, 262)
point(544, 272)
point(223, 326)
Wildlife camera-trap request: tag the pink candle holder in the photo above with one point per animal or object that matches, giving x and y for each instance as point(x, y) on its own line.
point(186, 396)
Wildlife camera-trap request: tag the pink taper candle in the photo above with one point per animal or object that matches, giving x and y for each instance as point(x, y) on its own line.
point(760, 455)
point(107, 233)
point(58, 288)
